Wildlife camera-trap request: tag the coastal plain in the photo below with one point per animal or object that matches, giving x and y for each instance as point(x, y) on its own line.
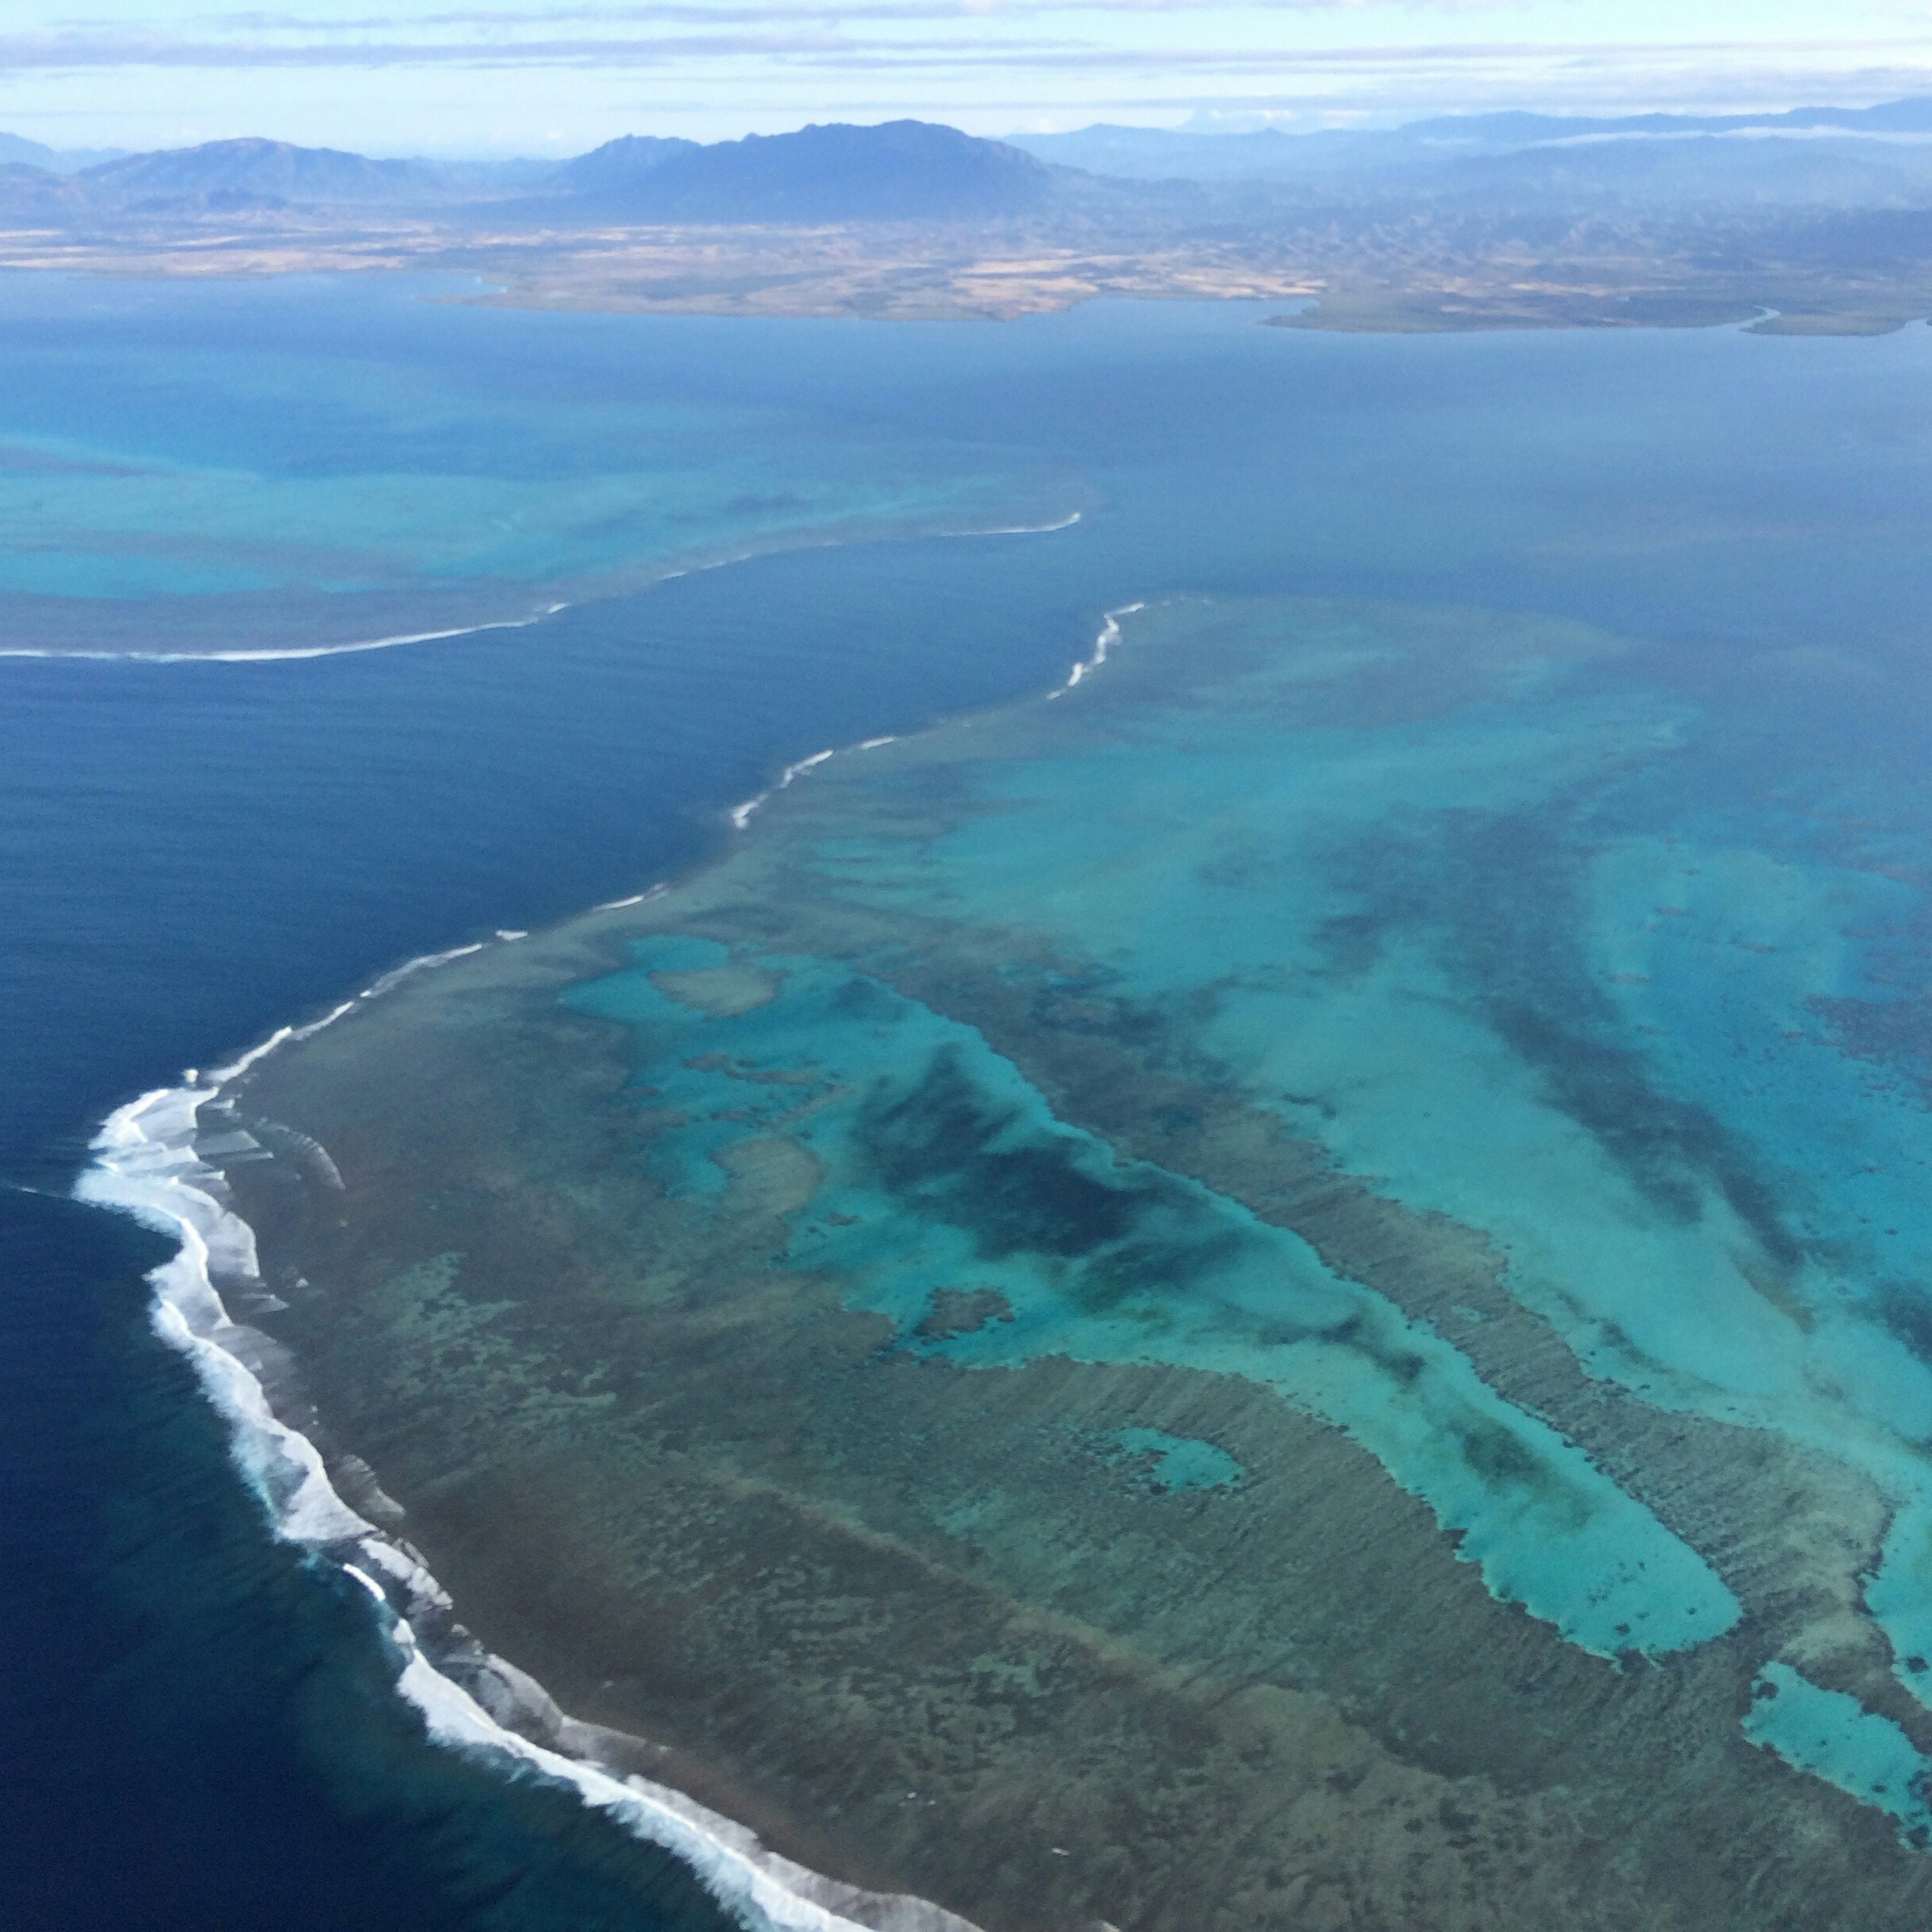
point(1271, 1292)
point(1811, 224)
point(1393, 277)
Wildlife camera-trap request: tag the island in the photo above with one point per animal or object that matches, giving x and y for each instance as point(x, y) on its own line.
point(1812, 222)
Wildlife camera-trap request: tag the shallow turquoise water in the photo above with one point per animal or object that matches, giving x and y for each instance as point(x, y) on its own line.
point(943, 1168)
point(1179, 1462)
point(1834, 1736)
point(1512, 920)
point(1540, 961)
point(146, 467)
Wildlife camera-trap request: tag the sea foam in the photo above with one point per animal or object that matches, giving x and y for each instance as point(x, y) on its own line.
point(146, 1165)
point(292, 653)
point(1110, 636)
point(742, 814)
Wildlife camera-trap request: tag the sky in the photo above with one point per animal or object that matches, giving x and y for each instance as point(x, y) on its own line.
point(502, 77)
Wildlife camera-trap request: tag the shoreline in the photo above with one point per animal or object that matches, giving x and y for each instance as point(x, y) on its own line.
point(146, 1165)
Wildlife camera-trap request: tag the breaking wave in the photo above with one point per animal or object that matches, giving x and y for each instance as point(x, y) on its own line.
point(153, 1160)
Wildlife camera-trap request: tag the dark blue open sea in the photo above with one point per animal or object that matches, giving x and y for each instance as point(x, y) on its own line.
point(198, 1727)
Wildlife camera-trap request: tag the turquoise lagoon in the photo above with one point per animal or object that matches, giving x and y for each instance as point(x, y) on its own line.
point(390, 487)
point(941, 1165)
point(1834, 1735)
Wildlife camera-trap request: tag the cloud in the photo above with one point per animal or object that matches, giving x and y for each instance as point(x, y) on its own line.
point(23, 52)
point(737, 12)
point(807, 39)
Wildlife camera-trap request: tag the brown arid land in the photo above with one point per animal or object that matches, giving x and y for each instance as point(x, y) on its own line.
point(1380, 273)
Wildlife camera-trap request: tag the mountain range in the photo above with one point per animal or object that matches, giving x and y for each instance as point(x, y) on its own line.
point(902, 171)
point(1433, 145)
point(911, 171)
point(225, 176)
point(1819, 219)
point(17, 151)
point(1823, 215)
point(1810, 158)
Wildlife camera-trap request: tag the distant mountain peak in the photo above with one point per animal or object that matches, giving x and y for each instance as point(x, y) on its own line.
point(622, 163)
point(253, 171)
point(897, 170)
point(17, 150)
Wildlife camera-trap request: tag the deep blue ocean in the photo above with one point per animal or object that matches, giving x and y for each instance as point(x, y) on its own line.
point(197, 1728)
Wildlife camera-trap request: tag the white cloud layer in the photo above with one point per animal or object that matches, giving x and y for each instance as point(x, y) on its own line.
point(438, 78)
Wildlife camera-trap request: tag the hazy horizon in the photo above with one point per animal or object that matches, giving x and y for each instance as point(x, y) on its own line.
point(431, 77)
point(1202, 122)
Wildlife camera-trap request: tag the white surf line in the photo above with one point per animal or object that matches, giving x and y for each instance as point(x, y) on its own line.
point(657, 891)
point(367, 1582)
point(1066, 523)
point(1110, 636)
point(220, 1076)
point(144, 1166)
point(294, 652)
point(396, 975)
point(740, 815)
point(764, 1891)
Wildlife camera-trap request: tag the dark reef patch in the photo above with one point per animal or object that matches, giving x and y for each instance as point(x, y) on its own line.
point(962, 1311)
point(1499, 895)
point(943, 1147)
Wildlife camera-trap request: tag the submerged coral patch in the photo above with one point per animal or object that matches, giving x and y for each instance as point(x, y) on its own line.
point(938, 1161)
point(1165, 1463)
